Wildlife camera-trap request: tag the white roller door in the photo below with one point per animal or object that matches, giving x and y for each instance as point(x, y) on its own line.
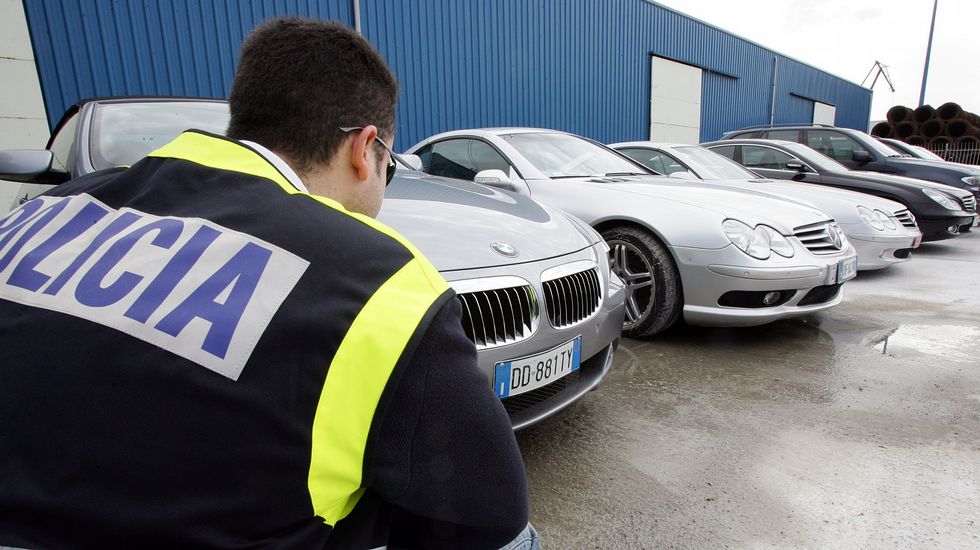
point(675, 101)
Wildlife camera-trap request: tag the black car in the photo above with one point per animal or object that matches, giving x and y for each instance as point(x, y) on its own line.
point(859, 151)
point(941, 210)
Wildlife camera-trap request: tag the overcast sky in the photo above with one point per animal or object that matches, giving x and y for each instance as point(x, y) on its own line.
point(846, 37)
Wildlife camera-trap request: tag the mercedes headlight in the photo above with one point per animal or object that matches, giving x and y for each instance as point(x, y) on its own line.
point(870, 218)
point(777, 243)
point(943, 199)
point(876, 218)
point(759, 242)
point(972, 180)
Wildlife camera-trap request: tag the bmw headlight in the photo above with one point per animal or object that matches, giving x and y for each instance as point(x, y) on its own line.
point(943, 199)
point(759, 242)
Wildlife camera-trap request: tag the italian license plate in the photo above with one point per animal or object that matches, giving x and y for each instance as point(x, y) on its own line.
point(847, 269)
point(976, 220)
point(917, 242)
point(522, 375)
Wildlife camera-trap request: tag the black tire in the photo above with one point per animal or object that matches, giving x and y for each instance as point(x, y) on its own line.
point(653, 303)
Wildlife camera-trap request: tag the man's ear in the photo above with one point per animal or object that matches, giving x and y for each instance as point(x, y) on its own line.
point(359, 155)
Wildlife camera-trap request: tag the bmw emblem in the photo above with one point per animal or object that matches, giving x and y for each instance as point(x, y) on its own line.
point(504, 249)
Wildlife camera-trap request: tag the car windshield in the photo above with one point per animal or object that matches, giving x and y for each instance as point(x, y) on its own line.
point(924, 153)
point(566, 156)
point(711, 166)
point(123, 133)
point(882, 149)
point(814, 159)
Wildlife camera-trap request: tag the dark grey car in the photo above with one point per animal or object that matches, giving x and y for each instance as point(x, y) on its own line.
point(859, 151)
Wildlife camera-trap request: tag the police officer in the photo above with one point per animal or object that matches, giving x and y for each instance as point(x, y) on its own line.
point(220, 347)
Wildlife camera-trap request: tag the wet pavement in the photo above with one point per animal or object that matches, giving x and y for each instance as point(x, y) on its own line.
point(854, 428)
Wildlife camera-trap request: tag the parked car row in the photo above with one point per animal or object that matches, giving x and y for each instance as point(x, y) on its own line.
point(556, 244)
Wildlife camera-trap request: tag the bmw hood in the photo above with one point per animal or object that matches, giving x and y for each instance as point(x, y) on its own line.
point(463, 225)
point(752, 208)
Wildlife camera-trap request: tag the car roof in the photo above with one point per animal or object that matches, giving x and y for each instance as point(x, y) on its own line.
point(648, 143)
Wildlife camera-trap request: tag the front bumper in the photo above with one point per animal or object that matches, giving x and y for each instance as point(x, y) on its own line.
point(945, 227)
point(882, 249)
point(600, 338)
point(809, 281)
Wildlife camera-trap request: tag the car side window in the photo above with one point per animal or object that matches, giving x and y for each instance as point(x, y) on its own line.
point(785, 135)
point(653, 160)
point(835, 145)
point(450, 158)
point(764, 157)
point(62, 144)
point(484, 157)
point(725, 151)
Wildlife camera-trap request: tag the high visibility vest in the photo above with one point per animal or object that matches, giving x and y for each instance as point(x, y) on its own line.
point(202, 347)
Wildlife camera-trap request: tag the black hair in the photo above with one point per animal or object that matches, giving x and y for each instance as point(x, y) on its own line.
point(300, 80)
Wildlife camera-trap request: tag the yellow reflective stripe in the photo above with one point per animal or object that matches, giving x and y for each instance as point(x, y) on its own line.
point(227, 154)
point(354, 384)
point(223, 154)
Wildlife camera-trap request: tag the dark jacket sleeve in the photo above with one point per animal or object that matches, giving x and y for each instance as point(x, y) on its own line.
point(446, 457)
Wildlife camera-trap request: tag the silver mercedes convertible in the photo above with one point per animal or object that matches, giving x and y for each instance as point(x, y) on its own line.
point(534, 283)
point(716, 256)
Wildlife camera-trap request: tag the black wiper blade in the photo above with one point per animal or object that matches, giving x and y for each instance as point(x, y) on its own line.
point(626, 174)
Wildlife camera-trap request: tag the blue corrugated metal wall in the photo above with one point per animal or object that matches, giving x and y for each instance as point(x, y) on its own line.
point(577, 65)
point(88, 48)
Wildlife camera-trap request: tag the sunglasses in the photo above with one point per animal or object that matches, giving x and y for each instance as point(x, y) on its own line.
point(390, 173)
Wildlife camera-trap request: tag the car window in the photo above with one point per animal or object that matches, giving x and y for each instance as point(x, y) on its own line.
point(658, 161)
point(709, 165)
point(764, 157)
point(559, 155)
point(785, 135)
point(485, 157)
point(124, 133)
point(449, 158)
point(725, 151)
point(61, 146)
point(835, 145)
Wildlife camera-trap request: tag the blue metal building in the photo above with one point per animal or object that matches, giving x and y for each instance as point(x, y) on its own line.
point(578, 65)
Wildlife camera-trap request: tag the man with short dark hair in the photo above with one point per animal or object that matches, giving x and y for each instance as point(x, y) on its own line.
point(220, 347)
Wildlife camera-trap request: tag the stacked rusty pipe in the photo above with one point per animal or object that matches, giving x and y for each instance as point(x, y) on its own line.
point(945, 128)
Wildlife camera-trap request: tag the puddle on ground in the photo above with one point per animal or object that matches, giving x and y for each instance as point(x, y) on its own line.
point(952, 342)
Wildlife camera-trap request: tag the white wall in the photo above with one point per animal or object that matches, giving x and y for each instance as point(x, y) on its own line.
point(675, 102)
point(23, 124)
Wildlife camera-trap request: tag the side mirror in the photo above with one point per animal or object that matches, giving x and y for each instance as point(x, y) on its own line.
point(683, 175)
point(861, 156)
point(24, 165)
point(412, 161)
point(795, 165)
point(495, 178)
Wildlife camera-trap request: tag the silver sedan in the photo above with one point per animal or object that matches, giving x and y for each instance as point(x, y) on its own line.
point(874, 225)
point(714, 256)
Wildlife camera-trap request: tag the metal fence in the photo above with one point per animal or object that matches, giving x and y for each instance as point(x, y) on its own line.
point(965, 156)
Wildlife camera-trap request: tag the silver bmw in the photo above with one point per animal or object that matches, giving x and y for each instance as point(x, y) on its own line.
point(714, 256)
point(538, 298)
point(882, 231)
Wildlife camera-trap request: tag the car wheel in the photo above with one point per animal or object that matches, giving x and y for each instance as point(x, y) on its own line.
point(653, 287)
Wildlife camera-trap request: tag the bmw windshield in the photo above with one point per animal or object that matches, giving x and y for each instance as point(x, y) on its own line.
point(566, 156)
point(123, 133)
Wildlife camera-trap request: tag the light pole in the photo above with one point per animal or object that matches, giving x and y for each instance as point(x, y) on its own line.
point(925, 70)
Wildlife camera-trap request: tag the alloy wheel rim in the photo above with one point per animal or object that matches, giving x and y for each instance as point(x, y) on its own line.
point(636, 272)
